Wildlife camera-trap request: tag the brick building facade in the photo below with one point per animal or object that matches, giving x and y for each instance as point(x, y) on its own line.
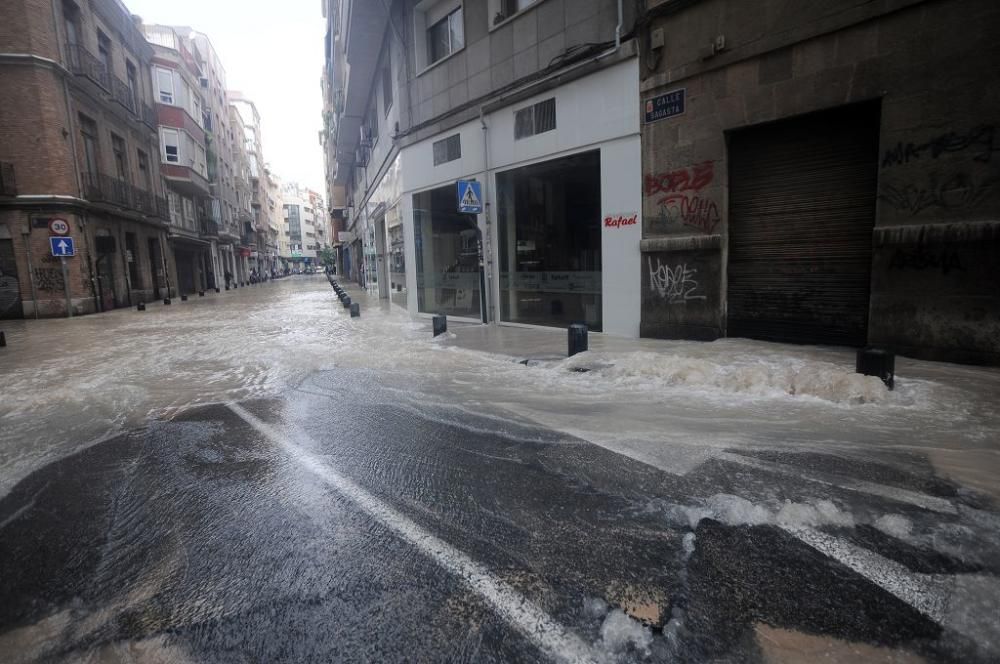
point(823, 172)
point(78, 143)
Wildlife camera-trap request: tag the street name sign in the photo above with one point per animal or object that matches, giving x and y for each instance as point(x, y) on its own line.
point(666, 105)
point(58, 227)
point(62, 246)
point(470, 197)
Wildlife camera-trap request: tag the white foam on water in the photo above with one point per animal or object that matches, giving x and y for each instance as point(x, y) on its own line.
point(896, 525)
point(620, 633)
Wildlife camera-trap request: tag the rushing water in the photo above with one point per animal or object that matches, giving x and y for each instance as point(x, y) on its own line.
point(66, 383)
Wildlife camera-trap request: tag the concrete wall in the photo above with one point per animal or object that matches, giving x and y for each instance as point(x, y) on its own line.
point(932, 64)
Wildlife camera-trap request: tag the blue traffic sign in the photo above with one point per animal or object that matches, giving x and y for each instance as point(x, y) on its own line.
point(62, 246)
point(470, 197)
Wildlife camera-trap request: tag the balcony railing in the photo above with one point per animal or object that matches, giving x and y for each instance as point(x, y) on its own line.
point(122, 93)
point(102, 188)
point(209, 228)
point(85, 63)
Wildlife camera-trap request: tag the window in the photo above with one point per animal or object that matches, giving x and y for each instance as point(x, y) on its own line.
point(535, 119)
point(133, 84)
point(386, 88)
point(88, 135)
point(173, 200)
point(142, 159)
point(170, 142)
point(447, 149)
point(445, 37)
point(200, 164)
point(504, 9)
point(104, 51)
point(165, 85)
point(188, 209)
point(118, 152)
point(372, 124)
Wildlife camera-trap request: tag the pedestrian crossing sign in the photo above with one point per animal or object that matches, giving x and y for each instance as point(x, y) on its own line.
point(470, 197)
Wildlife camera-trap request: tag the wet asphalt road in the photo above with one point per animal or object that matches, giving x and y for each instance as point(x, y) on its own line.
point(348, 520)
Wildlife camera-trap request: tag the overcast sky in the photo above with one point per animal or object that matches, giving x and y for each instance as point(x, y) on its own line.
point(273, 53)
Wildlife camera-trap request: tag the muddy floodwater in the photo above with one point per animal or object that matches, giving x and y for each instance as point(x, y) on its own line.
point(257, 476)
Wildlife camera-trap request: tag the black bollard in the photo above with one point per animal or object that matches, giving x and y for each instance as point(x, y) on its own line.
point(356, 310)
point(877, 362)
point(3, 339)
point(166, 300)
point(347, 302)
point(201, 293)
point(440, 323)
point(577, 339)
point(227, 288)
point(218, 291)
point(141, 306)
point(184, 298)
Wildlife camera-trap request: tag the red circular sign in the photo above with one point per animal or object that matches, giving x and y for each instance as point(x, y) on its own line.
point(59, 227)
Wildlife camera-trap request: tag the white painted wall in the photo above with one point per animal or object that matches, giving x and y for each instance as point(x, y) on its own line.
point(600, 111)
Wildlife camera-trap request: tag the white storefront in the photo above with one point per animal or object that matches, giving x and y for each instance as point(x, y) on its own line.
point(561, 236)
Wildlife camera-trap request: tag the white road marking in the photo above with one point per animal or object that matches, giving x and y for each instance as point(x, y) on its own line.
point(523, 615)
point(924, 501)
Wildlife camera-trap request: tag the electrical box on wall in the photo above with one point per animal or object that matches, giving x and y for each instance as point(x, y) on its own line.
point(657, 39)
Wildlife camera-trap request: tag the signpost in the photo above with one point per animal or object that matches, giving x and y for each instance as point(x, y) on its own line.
point(58, 227)
point(666, 105)
point(470, 197)
point(63, 247)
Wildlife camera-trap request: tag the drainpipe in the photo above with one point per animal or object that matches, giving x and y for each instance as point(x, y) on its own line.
point(31, 272)
point(618, 28)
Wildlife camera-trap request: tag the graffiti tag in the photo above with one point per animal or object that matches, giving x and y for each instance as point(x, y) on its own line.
point(955, 192)
point(676, 285)
point(679, 198)
point(49, 279)
point(980, 138)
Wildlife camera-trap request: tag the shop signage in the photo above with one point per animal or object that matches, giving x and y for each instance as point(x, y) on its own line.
point(470, 197)
point(346, 236)
point(666, 105)
point(619, 220)
point(58, 227)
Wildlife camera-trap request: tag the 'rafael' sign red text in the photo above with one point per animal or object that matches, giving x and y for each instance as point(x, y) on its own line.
point(619, 220)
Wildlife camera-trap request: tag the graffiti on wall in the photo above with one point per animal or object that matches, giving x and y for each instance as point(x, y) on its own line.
point(49, 279)
point(980, 140)
point(921, 258)
point(676, 285)
point(681, 198)
point(959, 191)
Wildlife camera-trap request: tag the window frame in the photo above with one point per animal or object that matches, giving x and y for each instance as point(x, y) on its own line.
point(159, 88)
point(163, 145)
point(458, 14)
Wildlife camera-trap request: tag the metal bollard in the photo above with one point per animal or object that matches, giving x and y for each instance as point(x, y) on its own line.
point(577, 339)
point(166, 300)
point(227, 288)
point(141, 306)
point(184, 298)
point(356, 310)
point(347, 302)
point(440, 323)
point(201, 293)
point(3, 339)
point(877, 362)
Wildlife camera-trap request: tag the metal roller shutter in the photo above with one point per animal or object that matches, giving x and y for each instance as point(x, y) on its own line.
point(802, 210)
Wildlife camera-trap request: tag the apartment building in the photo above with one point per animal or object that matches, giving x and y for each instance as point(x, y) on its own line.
point(79, 160)
point(538, 102)
point(240, 159)
point(261, 254)
point(180, 107)
point(303, 215)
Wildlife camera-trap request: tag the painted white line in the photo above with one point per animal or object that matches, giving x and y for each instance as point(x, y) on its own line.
point(932, 503)
point(517, 610)
point(927, 593)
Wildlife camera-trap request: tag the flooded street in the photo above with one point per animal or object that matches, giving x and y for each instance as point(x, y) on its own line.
point(256, 476)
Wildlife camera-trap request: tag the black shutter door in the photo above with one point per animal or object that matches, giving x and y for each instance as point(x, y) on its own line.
point(802, 210)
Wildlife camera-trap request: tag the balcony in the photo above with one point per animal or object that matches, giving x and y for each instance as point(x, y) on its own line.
point(101, 188)
point(84, 63)
point(209, 228)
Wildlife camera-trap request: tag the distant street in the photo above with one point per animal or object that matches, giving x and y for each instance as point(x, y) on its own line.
point(254, 476)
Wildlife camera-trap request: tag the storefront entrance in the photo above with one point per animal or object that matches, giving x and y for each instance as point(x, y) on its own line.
point(549, 227)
